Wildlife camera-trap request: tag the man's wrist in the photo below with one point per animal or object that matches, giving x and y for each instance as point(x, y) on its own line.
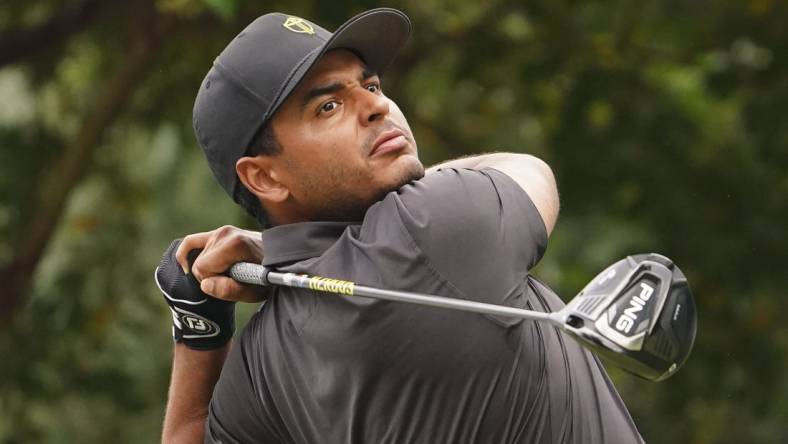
point(194, 375)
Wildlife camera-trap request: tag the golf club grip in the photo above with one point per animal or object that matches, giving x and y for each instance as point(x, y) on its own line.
point(250, 273)
point(260, 275)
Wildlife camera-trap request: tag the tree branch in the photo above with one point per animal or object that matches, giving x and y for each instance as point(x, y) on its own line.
point(19, 44)
point(67, 170)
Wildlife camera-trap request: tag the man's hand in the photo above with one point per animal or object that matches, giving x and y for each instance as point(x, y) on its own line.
point(221, 248)
point(199, 321)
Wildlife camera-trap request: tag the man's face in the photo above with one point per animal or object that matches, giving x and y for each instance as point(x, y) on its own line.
point(344, 144)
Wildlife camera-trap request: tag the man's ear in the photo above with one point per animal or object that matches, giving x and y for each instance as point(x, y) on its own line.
point(259, 176)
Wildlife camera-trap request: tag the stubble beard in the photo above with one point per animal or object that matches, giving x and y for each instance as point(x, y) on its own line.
point(341, 197)
point(344, 194)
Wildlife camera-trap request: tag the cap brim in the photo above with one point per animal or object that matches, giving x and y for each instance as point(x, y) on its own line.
point(376, 36)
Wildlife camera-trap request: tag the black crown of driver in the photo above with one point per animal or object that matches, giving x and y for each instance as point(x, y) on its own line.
point(259, 69)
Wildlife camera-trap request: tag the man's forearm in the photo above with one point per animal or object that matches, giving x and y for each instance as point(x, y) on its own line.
point(479, 161)
point(194, 375)
point(471, 162)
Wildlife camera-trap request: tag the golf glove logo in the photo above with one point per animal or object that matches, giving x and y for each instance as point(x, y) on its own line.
point(199, 321)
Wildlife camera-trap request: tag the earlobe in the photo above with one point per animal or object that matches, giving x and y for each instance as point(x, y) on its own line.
point(259, 176)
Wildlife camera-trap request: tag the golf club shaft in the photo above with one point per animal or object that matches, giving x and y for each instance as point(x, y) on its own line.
point(259, 275)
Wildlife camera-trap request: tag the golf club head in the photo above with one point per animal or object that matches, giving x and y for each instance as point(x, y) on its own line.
point(638, 313)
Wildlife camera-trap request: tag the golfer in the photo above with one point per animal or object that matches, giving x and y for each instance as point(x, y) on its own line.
point(297, 129)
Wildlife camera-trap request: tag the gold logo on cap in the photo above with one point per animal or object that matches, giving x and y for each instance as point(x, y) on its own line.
point(298, 25)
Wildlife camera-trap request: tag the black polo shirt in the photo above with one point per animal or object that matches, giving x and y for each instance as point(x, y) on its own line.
point(317, 368)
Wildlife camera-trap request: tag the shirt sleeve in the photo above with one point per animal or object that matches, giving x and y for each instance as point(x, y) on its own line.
point(235, 414)
point(477, 228)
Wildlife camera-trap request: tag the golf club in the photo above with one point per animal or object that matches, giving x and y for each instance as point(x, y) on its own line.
point(638, 312)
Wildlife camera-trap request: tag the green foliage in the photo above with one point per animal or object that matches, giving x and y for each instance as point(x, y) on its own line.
point(663, 122)
point(224, 8)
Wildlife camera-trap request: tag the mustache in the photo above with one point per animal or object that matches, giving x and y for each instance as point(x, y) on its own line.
point(366, 146)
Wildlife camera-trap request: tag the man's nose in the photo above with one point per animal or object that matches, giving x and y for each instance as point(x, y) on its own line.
point(374, 106)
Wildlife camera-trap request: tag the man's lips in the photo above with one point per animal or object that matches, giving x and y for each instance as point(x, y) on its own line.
point(388, 141)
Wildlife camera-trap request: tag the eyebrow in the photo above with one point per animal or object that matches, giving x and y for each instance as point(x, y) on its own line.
point(331, 88)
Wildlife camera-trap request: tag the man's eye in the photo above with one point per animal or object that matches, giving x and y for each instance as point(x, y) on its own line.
point(329, 106)
point(373, 87)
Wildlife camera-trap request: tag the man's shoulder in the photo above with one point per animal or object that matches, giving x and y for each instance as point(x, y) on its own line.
point(449, 192)
point(476, 229)
point(450, 204)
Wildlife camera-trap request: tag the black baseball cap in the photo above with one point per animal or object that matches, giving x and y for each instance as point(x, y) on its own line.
point(259, 69)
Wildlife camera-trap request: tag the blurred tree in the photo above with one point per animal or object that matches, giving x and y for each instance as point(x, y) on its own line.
point(661, 119)
point(73, 159)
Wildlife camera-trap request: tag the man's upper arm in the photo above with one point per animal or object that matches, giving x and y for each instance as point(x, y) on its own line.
point(478, 229)
point(536, 178)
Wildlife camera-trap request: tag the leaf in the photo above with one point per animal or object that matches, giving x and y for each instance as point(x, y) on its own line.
point(226, 9)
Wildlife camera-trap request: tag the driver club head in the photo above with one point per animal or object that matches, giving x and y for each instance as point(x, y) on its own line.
point(638, 313)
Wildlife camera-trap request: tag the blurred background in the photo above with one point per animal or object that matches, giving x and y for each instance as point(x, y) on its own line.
point(664, 122)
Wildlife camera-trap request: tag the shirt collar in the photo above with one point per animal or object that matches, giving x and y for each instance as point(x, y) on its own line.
point(299, 241)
